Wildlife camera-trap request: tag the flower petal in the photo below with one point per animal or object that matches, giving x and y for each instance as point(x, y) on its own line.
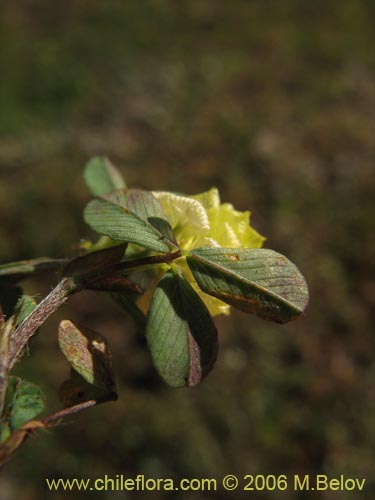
point(209, 199)
point(187, 217)
point(231, 228)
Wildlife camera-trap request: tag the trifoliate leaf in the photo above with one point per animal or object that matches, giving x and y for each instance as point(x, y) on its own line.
point(258, 281)
point(102, 177)
point(180, 333)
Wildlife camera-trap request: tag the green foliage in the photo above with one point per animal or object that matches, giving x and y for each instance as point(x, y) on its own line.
point(102, 177)
point(186, 267)
point(181, 333)
point(24, 307)
point(23, 402)
point(129, 222)
point(270, 104)
point(256, 281)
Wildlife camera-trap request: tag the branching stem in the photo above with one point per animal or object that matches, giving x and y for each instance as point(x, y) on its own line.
point(60, 294)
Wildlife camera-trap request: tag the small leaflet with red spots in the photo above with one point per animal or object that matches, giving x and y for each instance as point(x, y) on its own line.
point(88, 353)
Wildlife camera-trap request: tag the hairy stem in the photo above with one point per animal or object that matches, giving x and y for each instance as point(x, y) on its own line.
point(43, 310)
point(60, 294)
point(71, 410)
point(66, 412)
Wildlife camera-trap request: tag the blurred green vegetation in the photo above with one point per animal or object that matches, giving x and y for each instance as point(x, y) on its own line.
point(272, 102)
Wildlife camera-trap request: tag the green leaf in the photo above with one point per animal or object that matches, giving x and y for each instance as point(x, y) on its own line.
point(93, 261)
point(257, 281)
point(119, 223)
point(24, 307)
point(102, 177)
point(24, 401)
point(180, 333)
point(88, 353)
point(146, 207)
point(138, 201)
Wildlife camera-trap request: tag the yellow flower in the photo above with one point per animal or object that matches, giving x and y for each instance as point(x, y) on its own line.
point(228, 227)
point(201, 221)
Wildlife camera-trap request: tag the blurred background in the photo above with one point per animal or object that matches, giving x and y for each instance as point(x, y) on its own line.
point(270, 101)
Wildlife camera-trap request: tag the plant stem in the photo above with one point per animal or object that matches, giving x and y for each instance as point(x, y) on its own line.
point(43, 310)
point(71, 410)
point(66, 412)
point(60, 294)
point(130, 265)
point(5, 336)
